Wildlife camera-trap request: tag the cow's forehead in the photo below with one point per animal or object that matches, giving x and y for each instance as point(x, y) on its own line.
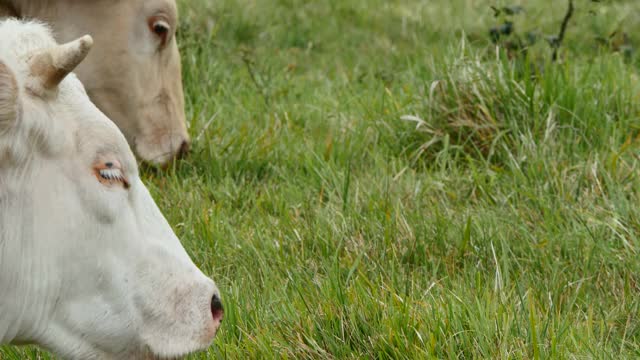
point(97, 136)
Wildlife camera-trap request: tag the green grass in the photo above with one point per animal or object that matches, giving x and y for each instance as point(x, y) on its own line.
point(503, 221)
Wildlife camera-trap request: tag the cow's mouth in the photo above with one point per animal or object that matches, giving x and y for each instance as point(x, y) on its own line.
point(161, 150)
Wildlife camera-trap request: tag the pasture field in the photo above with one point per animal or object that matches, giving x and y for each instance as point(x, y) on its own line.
point(372, 179)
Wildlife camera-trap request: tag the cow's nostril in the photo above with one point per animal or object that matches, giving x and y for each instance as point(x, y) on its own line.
point(184, 149)
point(216, 308)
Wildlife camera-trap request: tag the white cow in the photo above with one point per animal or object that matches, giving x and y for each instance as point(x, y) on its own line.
point(133, 73)
point(89, 267)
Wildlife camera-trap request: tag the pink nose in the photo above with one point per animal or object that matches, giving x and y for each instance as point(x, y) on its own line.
point(216, 309)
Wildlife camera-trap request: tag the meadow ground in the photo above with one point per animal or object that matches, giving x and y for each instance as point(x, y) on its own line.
point(373, 179)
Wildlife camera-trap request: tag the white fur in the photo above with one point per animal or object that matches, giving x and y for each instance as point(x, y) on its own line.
point(88, 270)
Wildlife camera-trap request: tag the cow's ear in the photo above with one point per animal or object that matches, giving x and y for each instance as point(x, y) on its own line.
point(8, 97)
point(49, 67)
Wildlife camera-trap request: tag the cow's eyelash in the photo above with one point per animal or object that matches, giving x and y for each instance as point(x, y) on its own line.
point(112, 174)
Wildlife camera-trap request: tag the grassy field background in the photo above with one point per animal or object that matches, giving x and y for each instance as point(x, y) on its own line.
point(374, 179)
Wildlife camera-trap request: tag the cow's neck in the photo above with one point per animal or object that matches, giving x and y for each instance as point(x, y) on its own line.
point(7, 9)
point(40, 9)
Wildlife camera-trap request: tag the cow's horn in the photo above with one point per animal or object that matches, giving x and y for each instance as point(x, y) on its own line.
point(50, 66)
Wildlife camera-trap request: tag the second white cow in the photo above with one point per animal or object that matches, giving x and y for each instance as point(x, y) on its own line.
point(133, 74)
point(89, 267)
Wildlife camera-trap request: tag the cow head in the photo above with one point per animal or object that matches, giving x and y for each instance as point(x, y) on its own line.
point(133, 74)
point(89, 267)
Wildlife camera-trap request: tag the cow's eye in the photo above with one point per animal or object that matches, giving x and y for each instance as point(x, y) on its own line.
point(160, 28)
point(110, 173)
